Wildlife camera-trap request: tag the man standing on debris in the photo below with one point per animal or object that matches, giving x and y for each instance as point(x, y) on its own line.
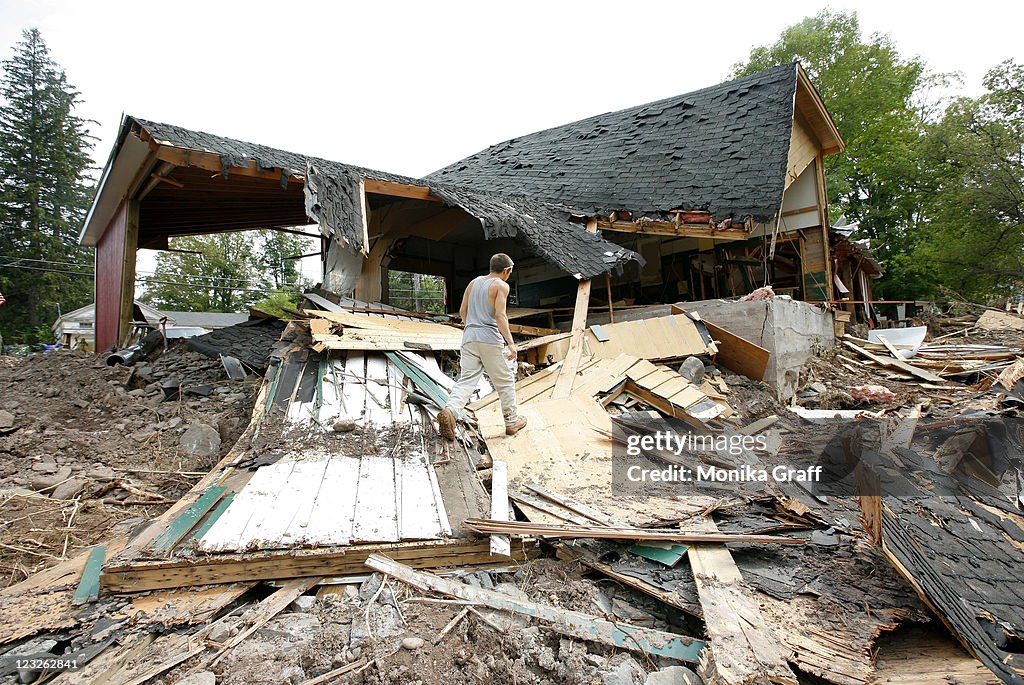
point(487, 347)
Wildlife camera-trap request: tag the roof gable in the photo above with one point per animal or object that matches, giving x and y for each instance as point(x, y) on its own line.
point(722, 149)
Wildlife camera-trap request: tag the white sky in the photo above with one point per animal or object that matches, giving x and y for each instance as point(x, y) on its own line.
point(409, 87)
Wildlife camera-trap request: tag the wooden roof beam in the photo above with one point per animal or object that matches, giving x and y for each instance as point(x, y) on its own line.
point(393, 189)
point(680, 230)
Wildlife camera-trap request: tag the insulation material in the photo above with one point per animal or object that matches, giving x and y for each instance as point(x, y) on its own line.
point(872, 393)
point(342, 268)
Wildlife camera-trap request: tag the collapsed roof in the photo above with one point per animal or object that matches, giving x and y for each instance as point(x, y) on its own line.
point(721, 149)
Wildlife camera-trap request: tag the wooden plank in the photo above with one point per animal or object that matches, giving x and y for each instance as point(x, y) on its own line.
point(418, 517)
point(572, 505)
point(655, 643)
point(394, 189)
point(344, 561)
point(353, 391)
point(656, 338)
point(500, 544)
point(181, 525)
point(896, 364)
point(599, 333)
point(226, 533)
point(567, 374)
point(560, 531)
point(376, 512)
point(330, 520)
point(292, 507)
point(737, 354)
point(743, 647)
point(89, 586)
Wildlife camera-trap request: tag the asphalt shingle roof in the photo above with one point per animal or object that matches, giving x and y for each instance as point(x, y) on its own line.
point(332, 197)
point(722, 149)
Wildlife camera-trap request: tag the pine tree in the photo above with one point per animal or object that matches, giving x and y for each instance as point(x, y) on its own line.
point(45, 190)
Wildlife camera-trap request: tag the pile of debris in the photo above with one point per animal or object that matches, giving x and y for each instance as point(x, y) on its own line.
point(340, 539)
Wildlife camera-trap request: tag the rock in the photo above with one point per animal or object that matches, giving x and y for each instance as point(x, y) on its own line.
point(173, 422)
point(201, 678)
point(384, 622)
point(692, 369)
point(291, 674)
point(674, 675)
point(412, 643)
point(304, 604)
point(220, 633)
point(46, 482)
point(48, 466)
point(628, 672)
point(344, 426)
point(368, 588)
point(201, 440)
point(101, 473)
point(138, 392)
point(6, 420)
point(69, 489)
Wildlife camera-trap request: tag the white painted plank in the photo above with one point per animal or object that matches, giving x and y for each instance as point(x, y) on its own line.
point(500, 544)
point(417, 514)
point(376, 517)
point(377, 412)
point(266, 504)
point(330, 521)
point(330, 395)
point(293, 506)
point(227, 531)
point(353, 389)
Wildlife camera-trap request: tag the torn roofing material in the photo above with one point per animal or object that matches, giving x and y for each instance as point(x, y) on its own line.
point(722, 149)
point(333, 198)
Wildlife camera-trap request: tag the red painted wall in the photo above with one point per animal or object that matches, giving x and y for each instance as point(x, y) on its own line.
point(109, 268)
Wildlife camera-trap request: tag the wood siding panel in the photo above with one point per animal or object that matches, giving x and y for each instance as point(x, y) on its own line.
point(109, 276)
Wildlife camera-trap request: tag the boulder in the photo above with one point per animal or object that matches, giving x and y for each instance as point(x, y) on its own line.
point(201, 440)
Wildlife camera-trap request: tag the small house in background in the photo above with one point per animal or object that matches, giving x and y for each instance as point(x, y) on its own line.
point(77, 330)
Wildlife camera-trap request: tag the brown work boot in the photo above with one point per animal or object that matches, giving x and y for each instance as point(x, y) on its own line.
point(516, 426)
point(446, 423)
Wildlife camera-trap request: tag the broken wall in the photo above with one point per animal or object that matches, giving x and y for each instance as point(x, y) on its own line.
point(792, 331)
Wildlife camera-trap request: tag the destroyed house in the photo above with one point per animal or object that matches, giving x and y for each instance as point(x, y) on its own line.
point(709, 194)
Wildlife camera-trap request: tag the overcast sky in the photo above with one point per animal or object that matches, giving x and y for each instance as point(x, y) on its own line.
point(409, 87)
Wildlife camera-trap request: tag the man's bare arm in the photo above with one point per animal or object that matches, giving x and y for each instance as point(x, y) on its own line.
point(501, 315)
point(464, 307)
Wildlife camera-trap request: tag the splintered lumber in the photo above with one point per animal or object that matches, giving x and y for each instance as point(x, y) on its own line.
point(184, 523)
point(267, 609)
point(744, 648)
point(655, 643)
point(993, 320)
point(89, 585)
point(567, 375)
point(525, 528)
point(898, 364)
point(670, 393)
point(342, 331)
point(136, 576)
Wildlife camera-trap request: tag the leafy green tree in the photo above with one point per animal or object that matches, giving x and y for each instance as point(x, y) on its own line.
point(209, 273)
point(45, 191)
point(416, 292)
point(873, 93)
point(973, 238)
point(278, 251)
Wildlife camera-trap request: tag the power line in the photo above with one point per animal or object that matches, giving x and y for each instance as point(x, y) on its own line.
point(148, 280)
point(15, 265)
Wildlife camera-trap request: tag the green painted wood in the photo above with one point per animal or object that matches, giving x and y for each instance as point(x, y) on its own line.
point(221, 507)
point(669, 557)
point(422, 381)
point(89, 586)
point(180, 526)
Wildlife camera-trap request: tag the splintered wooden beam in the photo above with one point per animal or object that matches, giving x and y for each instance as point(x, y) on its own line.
point(608, 532)
point(898, 364)
point(744, 648)
point(679, 230)
point(576, 624)
point(395, 189)
point(567, 375)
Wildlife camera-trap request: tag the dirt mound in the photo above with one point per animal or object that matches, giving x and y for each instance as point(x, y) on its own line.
point(87, 445)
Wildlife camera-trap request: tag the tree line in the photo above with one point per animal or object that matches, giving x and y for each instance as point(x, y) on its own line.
point(934, 182)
